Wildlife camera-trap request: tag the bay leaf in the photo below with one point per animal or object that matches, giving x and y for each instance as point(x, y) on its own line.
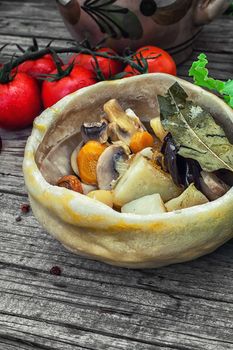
point(195, 132)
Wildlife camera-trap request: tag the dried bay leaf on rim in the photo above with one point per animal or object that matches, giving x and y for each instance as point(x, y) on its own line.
point(195, 131)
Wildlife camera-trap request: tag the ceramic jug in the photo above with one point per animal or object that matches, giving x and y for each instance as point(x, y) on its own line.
point(170, 24)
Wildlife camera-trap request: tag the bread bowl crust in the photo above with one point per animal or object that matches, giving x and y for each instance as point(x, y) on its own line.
point(92, 229)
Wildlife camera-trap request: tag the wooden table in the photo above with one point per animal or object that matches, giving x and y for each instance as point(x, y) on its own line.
point(93, 305)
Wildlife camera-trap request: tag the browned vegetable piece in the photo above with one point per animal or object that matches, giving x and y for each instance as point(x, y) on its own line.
point(70, 182)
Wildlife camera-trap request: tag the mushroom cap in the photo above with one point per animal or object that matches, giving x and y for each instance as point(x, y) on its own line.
point(94, 230)
point(95, 131)
point(107, 170)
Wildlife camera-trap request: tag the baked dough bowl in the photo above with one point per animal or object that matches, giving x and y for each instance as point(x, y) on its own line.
point(92, 229)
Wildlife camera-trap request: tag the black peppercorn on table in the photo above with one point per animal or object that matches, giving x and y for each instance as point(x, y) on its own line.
point(51, 299)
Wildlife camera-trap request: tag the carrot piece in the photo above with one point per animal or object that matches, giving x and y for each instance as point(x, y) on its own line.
point(141, 140)
point(87, 159)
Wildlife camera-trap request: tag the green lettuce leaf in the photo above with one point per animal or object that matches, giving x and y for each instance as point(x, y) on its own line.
point(200, 74)
point(228, 92)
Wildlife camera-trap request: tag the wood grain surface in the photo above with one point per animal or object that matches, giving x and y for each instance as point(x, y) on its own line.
point(92, 305)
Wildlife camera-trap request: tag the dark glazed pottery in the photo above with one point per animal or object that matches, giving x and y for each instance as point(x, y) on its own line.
point(170, 24)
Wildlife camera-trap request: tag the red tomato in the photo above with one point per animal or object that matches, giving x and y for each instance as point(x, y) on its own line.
point(20, 102)
point(53, 91)
point(107, 66)
point(162, 64)
point(43, 65)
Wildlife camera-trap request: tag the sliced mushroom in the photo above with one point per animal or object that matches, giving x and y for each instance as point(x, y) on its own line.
point(122, 144)
point(95, 131)
point(115, 133)
point(130, 113)
point(212, 186)
point(111, 164)
point(122, 126)
point(73, 158)
point(116, 114)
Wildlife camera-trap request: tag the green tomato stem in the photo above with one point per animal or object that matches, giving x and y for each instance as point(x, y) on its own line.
point(33, 55)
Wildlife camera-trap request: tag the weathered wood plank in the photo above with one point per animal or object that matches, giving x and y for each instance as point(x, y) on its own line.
point(32, 9)
point(155, 307)
point(9, 344)
point(11, 157)
point(37, 28)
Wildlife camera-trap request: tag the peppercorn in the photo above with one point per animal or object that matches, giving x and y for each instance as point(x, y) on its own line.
point(25, 208)
point(55, 270)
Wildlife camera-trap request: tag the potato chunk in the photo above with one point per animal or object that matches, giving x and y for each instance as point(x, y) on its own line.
point(189, 198)
point(146, 205)
point(102, 196)
point(141, 179)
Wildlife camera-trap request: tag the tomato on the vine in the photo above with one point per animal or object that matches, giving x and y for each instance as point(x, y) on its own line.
point(37, 67)
point(158, 61)
point(20, 101)
point(108, 66)
point(68, 80)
